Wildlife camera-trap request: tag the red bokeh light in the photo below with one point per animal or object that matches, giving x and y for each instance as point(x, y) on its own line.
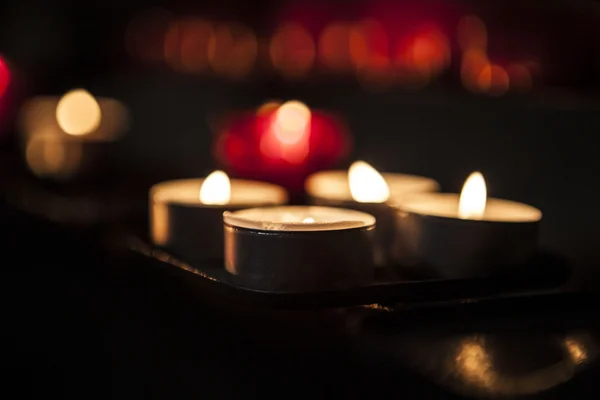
point(250, 147)
point(520, 77)
point(4, 77)
point(334, 46)
point(5, 104)
point(423, 55)
point(292, 50)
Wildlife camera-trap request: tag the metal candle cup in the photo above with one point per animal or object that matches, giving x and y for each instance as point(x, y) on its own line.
point(332, 188)
point(432, 236)
point(299, 248)
point(190, 229)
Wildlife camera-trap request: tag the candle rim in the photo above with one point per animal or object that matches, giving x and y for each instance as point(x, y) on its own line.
point(408, 205)
point(278, 194)
point(237, 219)
point(428, 184)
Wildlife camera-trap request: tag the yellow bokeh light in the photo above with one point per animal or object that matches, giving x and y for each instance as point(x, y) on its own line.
point(291, 122)
point(78, 113)
point(48, 154)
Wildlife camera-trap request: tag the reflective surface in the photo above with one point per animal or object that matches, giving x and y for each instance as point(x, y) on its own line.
point(75, 306)
point(519, 353)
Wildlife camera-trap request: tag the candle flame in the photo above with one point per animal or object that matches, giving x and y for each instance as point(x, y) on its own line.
point(366, 184)
point(216, 189)
point(78, 113)
point(309, 220)
point(291, 122)
point(473, 197)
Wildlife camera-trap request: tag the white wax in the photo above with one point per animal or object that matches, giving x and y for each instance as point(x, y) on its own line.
point(298, 218)
point(243, 192)
point(446, 205)
point(334, 185)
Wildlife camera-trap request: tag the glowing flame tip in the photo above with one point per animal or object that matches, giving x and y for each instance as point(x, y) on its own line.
point(216, 189)
point(366, 184)
point(473, 197)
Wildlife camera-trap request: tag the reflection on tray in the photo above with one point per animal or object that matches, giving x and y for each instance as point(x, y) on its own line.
point(390, 287)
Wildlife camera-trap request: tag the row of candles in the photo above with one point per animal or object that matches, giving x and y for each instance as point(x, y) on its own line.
point(359, 221)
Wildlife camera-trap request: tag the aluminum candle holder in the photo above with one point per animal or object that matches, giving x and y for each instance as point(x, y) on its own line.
point(362, 188)
point(299, 249)
point(382, 292)
point(192, 229)
point(433, 239)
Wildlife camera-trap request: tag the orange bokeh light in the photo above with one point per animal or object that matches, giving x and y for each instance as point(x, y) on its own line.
point(369, 45)
point(292, 50)
point(186, 44)
point(474, 62)
point(193, 45)
point(232, 50)
point(370, 54)
point(520, 78)
point(472, 33)
point(422, 57)
point(494, 80)
point(334, 46)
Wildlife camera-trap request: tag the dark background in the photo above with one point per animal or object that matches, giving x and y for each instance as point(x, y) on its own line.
point(537, 147)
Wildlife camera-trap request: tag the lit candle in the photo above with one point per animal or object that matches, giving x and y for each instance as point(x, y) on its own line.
point(186, 216)
point(364, 189)
point(299, 248)
point(468, 235)
point(282, 143)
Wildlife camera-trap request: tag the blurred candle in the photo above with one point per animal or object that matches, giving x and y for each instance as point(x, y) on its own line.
point(282, 143)
point(186, 216)
point(363, 188)
point(467, 235)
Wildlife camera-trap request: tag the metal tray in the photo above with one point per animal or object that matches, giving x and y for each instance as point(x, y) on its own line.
point(546, 273)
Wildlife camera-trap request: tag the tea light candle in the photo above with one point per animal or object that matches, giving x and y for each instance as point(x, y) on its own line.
point(299, 248)
point(466, 236)
point(186, 216)
point(282, 143)
point(364, 189)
